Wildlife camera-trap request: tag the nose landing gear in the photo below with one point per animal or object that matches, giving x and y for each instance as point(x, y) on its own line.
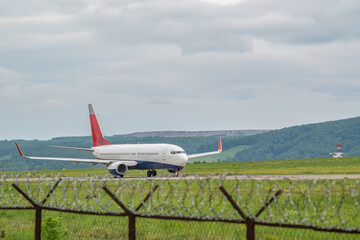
point(151, 173)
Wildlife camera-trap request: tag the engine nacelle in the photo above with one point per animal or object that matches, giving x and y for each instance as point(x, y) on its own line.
point(118, 168)
point(178, 169)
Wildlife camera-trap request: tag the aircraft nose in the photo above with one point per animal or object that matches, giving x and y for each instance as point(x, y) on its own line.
point(185, 159)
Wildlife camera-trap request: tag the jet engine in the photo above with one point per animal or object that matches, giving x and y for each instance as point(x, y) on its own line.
point(118, 168)
point(177, 169)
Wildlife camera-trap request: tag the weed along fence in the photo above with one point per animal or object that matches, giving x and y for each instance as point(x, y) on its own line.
point(322, 205)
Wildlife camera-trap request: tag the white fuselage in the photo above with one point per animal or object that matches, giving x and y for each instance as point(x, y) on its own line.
point(156, 156)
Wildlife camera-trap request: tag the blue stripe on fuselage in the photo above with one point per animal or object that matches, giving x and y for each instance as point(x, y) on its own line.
point(143, 165)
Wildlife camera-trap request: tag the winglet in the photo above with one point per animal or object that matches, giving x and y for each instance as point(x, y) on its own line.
point(220, 145)
point(21, 154)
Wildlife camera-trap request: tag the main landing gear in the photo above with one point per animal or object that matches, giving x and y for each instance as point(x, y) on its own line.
point(151, 173)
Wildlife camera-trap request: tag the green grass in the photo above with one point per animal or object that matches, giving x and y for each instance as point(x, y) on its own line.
point(346, 165)
point(99, 227)
point(20, 224)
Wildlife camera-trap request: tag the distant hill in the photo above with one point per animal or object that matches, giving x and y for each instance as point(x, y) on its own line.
point(221, 133)
point(11, 161)
point(305, 141)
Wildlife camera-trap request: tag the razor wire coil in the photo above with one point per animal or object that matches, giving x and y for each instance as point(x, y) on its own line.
point(320, 203)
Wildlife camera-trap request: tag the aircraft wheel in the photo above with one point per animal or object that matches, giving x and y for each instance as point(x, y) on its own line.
point(149, 173)
point(154, 173)
point(176, 174)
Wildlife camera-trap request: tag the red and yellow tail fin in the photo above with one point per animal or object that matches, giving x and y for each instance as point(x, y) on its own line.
point(98, 139)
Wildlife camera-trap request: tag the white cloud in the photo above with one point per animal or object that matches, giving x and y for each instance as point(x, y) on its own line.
point(176, 65)
point(40, 41)
point(10, 91)
point(223, 2)
point(36, 19)
point(7, 75)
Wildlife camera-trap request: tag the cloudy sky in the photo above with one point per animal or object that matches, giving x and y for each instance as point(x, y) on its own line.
point(175, 65)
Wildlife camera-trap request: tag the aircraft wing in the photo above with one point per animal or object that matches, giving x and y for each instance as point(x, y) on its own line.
point(207, 153)
point(76, 160)
point(202, 154)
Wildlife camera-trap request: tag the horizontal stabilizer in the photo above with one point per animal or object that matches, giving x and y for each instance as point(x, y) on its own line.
point(74, 148)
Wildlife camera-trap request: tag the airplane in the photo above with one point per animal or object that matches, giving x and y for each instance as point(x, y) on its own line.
point(119, 158)
point(337, 154)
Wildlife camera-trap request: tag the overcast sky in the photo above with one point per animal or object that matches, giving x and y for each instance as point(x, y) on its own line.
point(175, 65)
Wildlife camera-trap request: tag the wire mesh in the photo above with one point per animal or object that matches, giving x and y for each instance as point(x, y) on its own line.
point(327, 204)
point(17, 224)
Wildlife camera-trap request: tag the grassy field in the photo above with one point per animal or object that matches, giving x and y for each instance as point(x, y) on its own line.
point(346, 165)
point(190, 199)
point(20, 224)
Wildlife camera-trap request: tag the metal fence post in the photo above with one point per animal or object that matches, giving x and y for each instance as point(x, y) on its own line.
point(131, 214)
point(250, 229)
point(249, 221)
point(37, 207)
point(37, 212)
point(132, 227)
point(38, 223)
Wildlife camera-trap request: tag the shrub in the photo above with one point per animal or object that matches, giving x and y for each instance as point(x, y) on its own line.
point(52, 230)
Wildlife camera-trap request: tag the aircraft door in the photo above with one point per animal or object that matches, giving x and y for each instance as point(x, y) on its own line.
point(163, 158)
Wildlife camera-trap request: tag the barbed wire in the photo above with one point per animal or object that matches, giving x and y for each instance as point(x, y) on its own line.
point(320, 203)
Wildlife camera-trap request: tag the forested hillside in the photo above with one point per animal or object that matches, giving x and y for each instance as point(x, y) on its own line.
point(11, 161)
point(306, 141)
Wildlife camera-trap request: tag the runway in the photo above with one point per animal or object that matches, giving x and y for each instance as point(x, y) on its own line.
point(196, 177)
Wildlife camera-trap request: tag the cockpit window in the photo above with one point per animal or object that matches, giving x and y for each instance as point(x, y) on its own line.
point(177, 152)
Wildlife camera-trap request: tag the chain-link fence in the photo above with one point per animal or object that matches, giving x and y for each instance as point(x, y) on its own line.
point(133, 206)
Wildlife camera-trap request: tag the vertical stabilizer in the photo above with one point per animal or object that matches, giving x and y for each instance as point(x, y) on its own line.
point(98, 139)
point(220, 145)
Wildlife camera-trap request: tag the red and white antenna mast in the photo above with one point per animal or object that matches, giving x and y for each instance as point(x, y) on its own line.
point(339, 147)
